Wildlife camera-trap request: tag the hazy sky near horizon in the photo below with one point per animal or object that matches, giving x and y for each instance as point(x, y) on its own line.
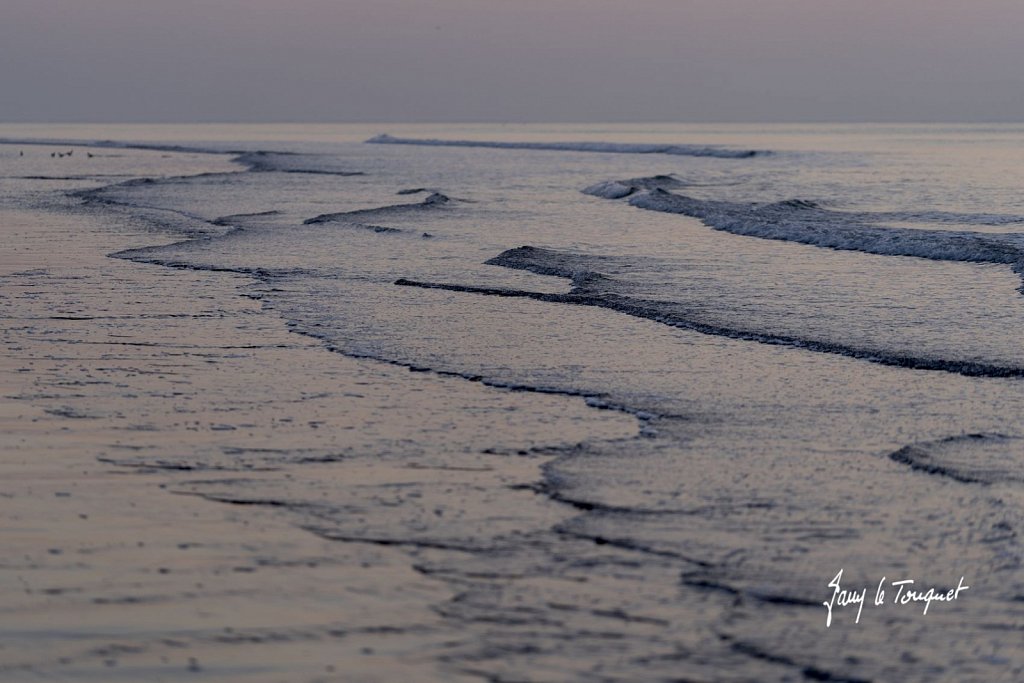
point(511, 60)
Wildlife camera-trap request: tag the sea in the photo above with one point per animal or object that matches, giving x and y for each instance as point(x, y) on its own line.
point(813, 332)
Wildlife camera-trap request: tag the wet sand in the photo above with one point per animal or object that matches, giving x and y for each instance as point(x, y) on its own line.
point(130, 393)
point(651, 496)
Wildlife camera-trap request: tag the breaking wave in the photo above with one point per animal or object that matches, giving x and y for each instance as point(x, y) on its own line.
point(605, 147)
point(617, 189)
point(806, 222)
point(289, 162)
point(591, 288)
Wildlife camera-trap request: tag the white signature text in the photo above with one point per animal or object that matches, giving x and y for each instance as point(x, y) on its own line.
point(904, 592)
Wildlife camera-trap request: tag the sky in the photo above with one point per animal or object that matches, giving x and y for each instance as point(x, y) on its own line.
point(511, 60)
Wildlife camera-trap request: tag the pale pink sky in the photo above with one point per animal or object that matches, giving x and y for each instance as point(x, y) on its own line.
point(511, 60)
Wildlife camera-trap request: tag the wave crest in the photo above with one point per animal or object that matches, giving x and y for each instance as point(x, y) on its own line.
point(593, 288)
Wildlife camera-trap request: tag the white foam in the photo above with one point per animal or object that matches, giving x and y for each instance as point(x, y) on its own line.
point(807, 223)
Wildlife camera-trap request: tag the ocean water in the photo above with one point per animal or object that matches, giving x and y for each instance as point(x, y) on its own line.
point(816, 329)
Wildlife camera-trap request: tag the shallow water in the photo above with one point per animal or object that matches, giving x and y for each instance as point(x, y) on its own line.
point(817, 348)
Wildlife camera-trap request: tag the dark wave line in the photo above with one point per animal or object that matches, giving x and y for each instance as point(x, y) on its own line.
point(434, 201)
point(601, 147)
point(235, 217)
point(956, 457)
point(806, 222)
point(657, 311)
